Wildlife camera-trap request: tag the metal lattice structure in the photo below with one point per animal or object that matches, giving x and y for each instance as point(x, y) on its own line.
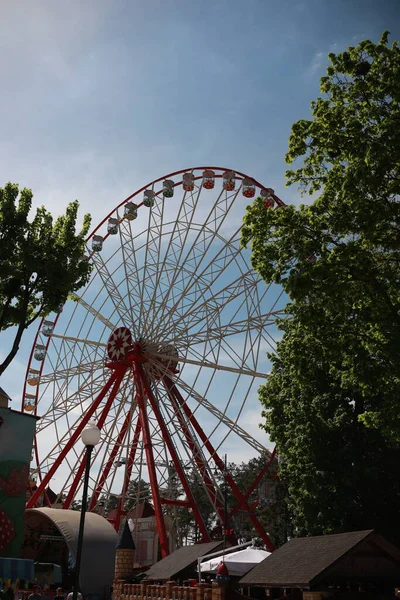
point(163, 349)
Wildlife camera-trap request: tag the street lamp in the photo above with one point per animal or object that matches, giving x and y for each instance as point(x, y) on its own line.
point(90, 437)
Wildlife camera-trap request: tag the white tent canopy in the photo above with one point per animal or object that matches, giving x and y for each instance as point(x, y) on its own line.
point(238, 563)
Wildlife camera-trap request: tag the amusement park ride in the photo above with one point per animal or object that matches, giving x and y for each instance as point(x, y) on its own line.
point(163, 350)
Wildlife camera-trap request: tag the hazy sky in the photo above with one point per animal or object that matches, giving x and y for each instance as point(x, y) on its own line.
point(99, 97)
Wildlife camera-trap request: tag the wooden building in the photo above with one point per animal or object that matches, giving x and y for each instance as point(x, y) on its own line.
point(346, 565)
point(181, 564)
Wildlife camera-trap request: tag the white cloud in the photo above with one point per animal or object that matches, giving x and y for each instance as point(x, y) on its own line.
point(316, 63)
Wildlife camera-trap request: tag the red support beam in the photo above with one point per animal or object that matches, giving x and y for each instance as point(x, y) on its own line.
point(111, 460)
point(114, 381)
point(77, 480)
point(173, 454)
point(255, 482)
point(183, 503)
point(79, 474)
point(128, 472)
point(220, 464)
point(162, 532)
point(201, 465)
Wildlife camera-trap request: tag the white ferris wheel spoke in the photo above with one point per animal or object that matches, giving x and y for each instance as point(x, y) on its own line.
point(232, 425)
point(75, 340)
point(199, 248)
point(196, 287)
point(93, 312)
point(61, 405)
point(151, 257)
point(132, 280)
point(66, 373)
point(210, 365)
point(163, 281)
point(217, 302)
point(257, 323)
point(109, 285)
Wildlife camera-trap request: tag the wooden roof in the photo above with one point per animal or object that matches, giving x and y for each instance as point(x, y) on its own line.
point(4, 394)
point(141, 511)
point(301, 561)
point(183, 558)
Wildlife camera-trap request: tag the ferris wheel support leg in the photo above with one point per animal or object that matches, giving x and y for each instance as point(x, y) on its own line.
point(111, 460)
point(255, 482)
point(113, 382)
point(201, 465)
point(79, 474)
point(29, 491)
point(128, 472)
point(174, 456)
point(221, 466)
point(162, 532)
point(77, 480)
point(78, 477)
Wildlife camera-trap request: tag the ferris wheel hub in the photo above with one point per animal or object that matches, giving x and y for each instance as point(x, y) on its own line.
point(162, 358)
point(119, 343)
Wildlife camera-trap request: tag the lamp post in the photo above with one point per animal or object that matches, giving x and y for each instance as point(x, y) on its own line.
point(90, 437)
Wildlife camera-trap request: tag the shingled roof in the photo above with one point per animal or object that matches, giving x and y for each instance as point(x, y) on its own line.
point(180, 560)
point(301, 561)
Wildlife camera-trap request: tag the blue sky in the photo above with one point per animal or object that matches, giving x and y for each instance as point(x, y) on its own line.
point(100, 97)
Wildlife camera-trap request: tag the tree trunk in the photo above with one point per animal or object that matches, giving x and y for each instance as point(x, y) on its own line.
point(14, 349)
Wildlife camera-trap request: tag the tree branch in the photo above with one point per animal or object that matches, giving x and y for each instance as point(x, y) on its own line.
point(4, 312)
point(14, 349)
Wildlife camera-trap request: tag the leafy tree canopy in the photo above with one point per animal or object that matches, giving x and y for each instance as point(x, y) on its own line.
point(41, 261)
point(270, 510)
point(331, 402)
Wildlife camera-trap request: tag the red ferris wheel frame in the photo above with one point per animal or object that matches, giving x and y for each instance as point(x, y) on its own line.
point(133, 362)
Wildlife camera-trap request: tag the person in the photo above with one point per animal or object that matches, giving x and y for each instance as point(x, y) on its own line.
point(7, 593)
point(59, 594)
point(71, 594)
point(36, 593)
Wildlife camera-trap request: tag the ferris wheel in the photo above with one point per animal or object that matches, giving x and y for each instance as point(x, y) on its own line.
point(164, 350)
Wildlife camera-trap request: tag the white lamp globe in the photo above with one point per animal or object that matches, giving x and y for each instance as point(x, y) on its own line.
point(91, 434)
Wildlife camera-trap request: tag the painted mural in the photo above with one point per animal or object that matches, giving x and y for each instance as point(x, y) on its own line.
point(16, 439)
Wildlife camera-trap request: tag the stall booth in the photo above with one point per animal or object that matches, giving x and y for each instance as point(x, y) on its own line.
point(358, 565)
point(16, 575)
point(51, 538)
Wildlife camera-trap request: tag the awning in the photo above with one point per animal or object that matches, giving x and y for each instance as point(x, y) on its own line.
point(238, 563)
point(17, 568)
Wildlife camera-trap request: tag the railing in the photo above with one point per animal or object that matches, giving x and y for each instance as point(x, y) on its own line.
point(168, 591)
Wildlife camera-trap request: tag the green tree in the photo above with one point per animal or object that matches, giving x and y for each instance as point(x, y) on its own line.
point(41, 262)
point(138, 492)
point(273, 515)
point(331, 402)
point(268, 501)
point(189, 530)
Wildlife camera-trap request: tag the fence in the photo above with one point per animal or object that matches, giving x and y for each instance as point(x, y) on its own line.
point(168, 591)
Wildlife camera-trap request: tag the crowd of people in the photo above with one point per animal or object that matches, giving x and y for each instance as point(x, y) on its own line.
point(37, 594)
